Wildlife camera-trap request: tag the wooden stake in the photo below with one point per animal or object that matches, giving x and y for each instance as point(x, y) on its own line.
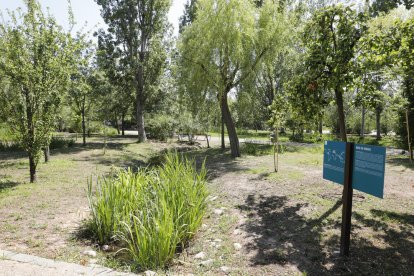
point(347, 200)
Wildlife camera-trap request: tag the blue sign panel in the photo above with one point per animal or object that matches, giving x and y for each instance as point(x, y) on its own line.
point(369, 169)
point(334, 161)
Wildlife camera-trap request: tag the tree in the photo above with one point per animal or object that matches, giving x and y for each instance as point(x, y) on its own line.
point(80, 90)
point(224, 45)
point(135, 29)
point(190, 9)
point(393, 49)
point(37, 60)
point(331, 37)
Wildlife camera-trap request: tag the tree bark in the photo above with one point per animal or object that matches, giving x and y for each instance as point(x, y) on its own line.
point(320, 127)
point(363, 122)
point(223, 144)
point(408, 135)
point(378, 122)
point(341, 114)
point(83, 128)
point(46, 152)
point(32, 165)
point(231, 129)
point(142, 137)
point(123, 124)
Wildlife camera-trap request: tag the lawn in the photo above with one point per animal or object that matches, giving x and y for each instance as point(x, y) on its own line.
point(258, 222)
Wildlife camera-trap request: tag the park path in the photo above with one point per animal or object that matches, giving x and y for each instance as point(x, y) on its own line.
point(22, 264)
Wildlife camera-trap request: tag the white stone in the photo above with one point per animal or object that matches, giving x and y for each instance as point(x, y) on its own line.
point(225, 269)
point(106, 247)
point(89, 253)
point(200, 256)
point(237, 246)
point(213, 198)
point(93, 261)
point(237, 232)
point(150, 273)
point(207, 262)
point(218, 212)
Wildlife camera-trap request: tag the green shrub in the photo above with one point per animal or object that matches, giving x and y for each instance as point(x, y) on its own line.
point(256, 149)
point(160, 127)
point(61, 142)
point(152, 212)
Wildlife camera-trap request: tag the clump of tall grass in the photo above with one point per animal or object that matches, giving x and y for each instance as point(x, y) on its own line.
point(151, 212)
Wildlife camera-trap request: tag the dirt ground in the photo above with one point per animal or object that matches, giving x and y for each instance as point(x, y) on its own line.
point(259, 222)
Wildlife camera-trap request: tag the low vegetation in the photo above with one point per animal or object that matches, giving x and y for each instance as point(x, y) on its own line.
point(151, 212)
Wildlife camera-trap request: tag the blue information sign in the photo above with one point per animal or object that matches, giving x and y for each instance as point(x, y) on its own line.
point(369, 169)
point(334, 161)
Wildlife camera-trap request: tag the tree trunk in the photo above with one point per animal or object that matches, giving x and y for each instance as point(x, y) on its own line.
point(341, 114)
point(231, 129)
point(223, 144)
point(363, 122)
point(320, 127)
point(117, 124)
point(32, 165)
point(142, 137)
point(46, 152)
point(123, 124)
point(378, 122)
point(83, 128)
point(408, 135)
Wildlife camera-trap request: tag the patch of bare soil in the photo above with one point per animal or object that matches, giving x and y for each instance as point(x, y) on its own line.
point(289, 223)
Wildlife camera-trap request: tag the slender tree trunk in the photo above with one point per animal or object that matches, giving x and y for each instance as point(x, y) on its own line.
point(46, 152)
point(363, 122)
point(117, 124)
point(142, 137)
point(320, 127)
point(32, 165)
point(231, 129)
point(341, 114)
point(123, 123)
point(378, 122)
point(408, 135)
point(83, 128)
point(223, 143)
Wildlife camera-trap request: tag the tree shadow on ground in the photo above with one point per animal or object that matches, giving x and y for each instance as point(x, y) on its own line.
point(401, 161)
point(280, 234)
point(6, 184)
point(217, 161)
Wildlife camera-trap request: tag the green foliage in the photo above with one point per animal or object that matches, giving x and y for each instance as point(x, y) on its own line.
point(330, 38)
point(223, 46)
point(36, 61)
point(134, 48)
point(160, 127)
point(256, 149)
point(61, 142)
point(151, 211)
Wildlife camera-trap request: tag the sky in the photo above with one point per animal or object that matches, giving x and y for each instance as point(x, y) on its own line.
point(85, 11)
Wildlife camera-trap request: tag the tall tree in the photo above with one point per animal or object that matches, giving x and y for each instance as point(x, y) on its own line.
point(136, 28)
point(189, 15)
point(224, 45)
point(331, 37)
point(37, 60)
point(80, 90)
point(393, 48)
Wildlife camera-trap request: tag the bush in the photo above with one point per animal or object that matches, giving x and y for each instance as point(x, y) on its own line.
point(61, 142)
point(160, 127)
point(151, 212)
point(256, 149)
